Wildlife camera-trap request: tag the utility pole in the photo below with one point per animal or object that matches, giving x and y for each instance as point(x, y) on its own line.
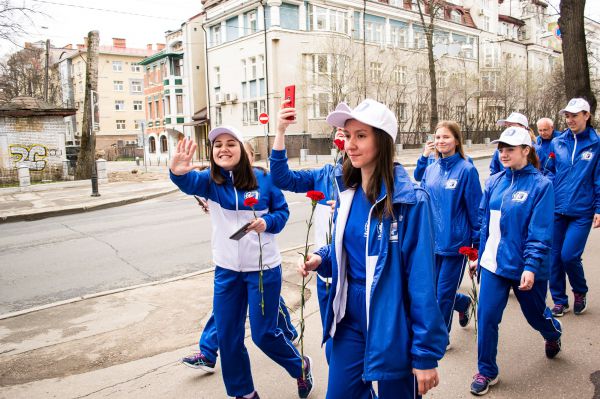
point(87, 157)
point(46, 76)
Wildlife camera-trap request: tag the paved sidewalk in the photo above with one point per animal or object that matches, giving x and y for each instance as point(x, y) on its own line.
point(52, 199)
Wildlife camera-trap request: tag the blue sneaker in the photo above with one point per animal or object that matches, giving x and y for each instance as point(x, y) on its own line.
point(465, 317)
point(305, 385)
point(199, 361)
point(481, 384)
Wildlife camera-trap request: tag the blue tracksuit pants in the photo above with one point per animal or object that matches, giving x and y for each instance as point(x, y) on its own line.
point(450, 271)
point(348, 353)
point(570, 237)
point(237, 293)
point(493, 297)
point(209, 343)
point(323, 296)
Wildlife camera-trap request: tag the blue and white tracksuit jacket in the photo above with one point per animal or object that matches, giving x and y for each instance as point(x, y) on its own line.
point(516, 236)
point(422, 164)
point(301, 181)
point(453, 186)
point(543, 150)
point(405, 328)
point(576, 176)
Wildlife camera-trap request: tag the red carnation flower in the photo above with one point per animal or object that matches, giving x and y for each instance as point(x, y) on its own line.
point(552, 155)
point(250, 202)
point(315, 195)
point(469, 252)
point(339, 143)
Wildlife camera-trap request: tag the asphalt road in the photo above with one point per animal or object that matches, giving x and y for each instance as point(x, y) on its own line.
point(69, 256)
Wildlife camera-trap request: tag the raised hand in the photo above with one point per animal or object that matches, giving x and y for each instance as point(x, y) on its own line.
point(181, 161)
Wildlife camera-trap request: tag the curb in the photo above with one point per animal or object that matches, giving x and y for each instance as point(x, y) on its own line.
point(117, 290)
point(79, 208)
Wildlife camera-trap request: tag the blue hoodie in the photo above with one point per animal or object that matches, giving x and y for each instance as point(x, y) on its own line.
point(228, 214)
point(576, 173)
point(405, 328)
point(422, 164)
point(543, 150)
point(453, 186)
point(526, 197)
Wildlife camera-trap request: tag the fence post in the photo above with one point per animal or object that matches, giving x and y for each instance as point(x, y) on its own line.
point(24, 176)
point(102, 172)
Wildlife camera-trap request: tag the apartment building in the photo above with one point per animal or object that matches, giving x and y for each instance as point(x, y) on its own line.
point(174, 93)
point(120, 92)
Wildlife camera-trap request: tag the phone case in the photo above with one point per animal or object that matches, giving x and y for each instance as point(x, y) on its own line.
point(240, 233)
point(290, 94)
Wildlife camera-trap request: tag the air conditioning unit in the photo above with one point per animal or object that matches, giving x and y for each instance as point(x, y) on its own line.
point(231, 97)
point(219, 98)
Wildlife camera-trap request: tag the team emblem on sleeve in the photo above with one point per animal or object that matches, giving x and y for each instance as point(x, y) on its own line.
point(451, 184)
point(587, 155)
point(520, 196)
point(250, 194)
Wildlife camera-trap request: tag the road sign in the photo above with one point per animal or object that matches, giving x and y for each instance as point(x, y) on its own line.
point(263, 118)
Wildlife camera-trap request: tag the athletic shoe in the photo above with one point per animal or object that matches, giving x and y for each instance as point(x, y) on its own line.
point(465, 317)
point(305, 385)
point(255, 396)
point(481, 384)
point(199, 361)
point(580, 303)
point(559, 310)
point(552, 348)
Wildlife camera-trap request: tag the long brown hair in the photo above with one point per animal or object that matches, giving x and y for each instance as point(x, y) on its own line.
point(384, 172)
point(532, 157)
point(243, 175)
point(456, 133)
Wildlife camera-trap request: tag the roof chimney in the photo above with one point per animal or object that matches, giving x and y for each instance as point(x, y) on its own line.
point(119, 43)
point(149, 46)
point(160, 46)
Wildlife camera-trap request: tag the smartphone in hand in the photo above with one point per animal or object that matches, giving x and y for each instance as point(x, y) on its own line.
point(240, 233)
point(290, 97)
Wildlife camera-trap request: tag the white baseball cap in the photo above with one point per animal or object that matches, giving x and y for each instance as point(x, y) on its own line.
point(514, 136)
point(514, 117)
point(369, 112)
point(576, 105)
point(219, 130)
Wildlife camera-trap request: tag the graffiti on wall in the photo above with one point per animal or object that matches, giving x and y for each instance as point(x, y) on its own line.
point(34, 156)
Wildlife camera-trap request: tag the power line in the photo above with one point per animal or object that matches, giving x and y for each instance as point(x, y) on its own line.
point(104, 10)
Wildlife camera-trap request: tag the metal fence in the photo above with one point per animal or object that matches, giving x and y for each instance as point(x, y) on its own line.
point(418, 138)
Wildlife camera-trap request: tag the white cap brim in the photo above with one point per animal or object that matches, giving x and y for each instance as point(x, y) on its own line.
point(571, 110)
point(513, 143)
point(216, 132)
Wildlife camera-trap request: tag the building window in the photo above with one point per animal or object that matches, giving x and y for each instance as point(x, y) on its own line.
point(215, 33)
point(163, 144)
point(398, 36)
point(252, 62)
point(244, 72)
point(485, 4)
point(486, 23)
point(137, 105)
point(178, 67)
point(251, 22)
point(401, 112)
point(117, 66)
point(119, 105)
point(491, 56)
point(136, 86)
point(218, 116)
point(120, 124)
point(327, 19)
point(374, 29)
point(456, 16)
point(118, 85)
point(442, 79)
point(375, 70)
point(152, 145)
point(260, 67)
point(136, 68)
point(400, 74)
point(217, 76)
point(156, 107)
point(419, 42)
point(422, 77)
point(167, 105)
point(320, 105)
point(253, 111)
point(488, 80)
point(179, 99)
point(150, 111)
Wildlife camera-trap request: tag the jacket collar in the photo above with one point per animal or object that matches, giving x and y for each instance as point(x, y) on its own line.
point(527, 170)
point(449, 162)
point(588, 135)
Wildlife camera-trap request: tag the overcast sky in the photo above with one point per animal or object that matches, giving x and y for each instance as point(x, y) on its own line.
point(138, 21)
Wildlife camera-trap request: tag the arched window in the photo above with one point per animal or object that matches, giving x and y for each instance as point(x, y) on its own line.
point(163, 144)
point(152, 142)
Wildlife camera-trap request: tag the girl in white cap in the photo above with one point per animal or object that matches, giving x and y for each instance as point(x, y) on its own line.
point(575, 171)
point(515, 243)
point(239, 195)
point(382, 315)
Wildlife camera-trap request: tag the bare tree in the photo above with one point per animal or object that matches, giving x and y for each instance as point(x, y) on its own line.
point(575, 57)
point(13, 19)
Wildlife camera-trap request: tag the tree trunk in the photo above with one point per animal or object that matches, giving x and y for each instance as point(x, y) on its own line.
point(428, 28)
point(87, 150)
point(577, 72)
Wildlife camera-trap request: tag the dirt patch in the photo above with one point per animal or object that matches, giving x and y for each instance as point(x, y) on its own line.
point(135, 175)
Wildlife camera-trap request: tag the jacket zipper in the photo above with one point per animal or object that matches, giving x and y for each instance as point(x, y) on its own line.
point(237, 219)
point(574, 149)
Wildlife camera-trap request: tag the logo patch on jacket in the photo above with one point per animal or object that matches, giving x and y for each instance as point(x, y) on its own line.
point(520, 196)
point(250, 194)
point(587, 155)
point(451, 184)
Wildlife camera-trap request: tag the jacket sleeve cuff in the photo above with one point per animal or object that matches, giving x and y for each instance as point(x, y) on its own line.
point(269, 221)
point(532, 265)
point(279, 154)
point(424, 363)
